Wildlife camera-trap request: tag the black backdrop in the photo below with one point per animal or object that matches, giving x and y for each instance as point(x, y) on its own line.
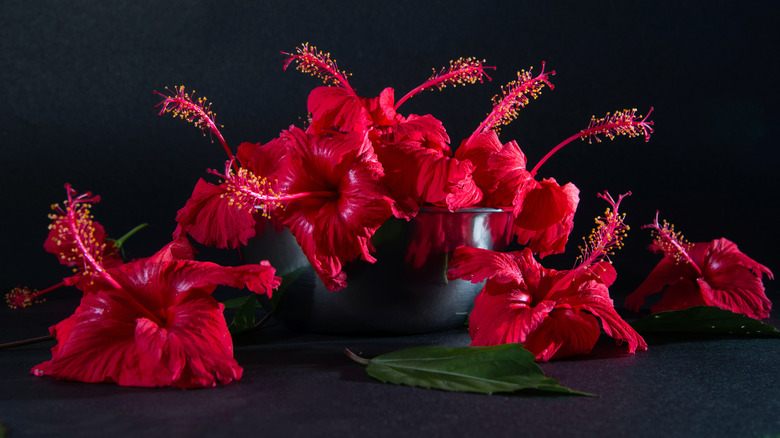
point(77, 103)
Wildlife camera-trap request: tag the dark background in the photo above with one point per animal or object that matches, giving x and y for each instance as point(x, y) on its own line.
point(77, 104)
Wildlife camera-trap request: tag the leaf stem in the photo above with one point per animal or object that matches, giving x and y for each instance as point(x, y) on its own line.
point(356, 358)
point(119, 242)
point(26, 342)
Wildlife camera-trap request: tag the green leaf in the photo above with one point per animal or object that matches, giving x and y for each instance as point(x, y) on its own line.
point(500, 368)
point(237, 302)
point(704, 320)
point(244, 319)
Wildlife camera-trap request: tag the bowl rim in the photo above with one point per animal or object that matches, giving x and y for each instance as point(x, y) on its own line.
point(436, 209)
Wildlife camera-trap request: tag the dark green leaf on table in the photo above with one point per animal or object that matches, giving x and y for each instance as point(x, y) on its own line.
point(500, 368)
point(244, 319)
point(704, 320)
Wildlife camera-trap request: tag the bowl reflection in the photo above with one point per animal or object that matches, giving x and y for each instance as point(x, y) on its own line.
point(406, 291)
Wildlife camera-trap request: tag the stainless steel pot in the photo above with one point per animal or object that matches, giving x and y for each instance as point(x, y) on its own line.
point(406, 291)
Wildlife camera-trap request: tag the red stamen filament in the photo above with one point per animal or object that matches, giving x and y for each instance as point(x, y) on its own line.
point(514, 96)
point(672, 242)
point(246, 190)
point(319, 64)
point(199, 113)
point(602, 242)
point(21, 297)
point(460, 72)
point(79, 226)
point(621, 123)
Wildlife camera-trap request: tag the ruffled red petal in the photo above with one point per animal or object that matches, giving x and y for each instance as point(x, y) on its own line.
point(500, 169)
point(682, 294)
point(505, 318)
point(524, 302)
point(731, 280)
point(477, 265)
point(423, 131)
point(723, 277)
point(417, 175)
point(544, 214)
point(382, 109)
point(586, 294)
point(563, 333)
point(665, 273)
point(336, 108)
point(212, 220)
point(333, 229)
point(161, 328)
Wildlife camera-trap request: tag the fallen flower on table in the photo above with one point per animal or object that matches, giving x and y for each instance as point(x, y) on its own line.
point(59, 242)
point(150, 322)
point(711, 273)
point(554, 314)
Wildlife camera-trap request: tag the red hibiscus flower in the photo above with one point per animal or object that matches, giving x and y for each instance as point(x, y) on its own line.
point(553, 313)
point(337, 108)
point(212, 219)
point(712, 273)
point(417, 176)
point(153, 322)
point(500, 169)
point(346, 199)
point(413, 150)
point(544, 215)
point(544, 210)
point(76, 239)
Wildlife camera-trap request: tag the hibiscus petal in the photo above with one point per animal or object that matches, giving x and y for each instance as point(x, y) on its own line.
point(161, 328)
point(212, 220)
point(681, 294)
point(96, 344)
point(336, 107)
point(501, 319)
point(544, 214)
point(593, 296)
point(477, 265)
point(665, 273)
point(440, 180)
point(732, 281)
point(179, 249)
point(423, 131)
point(333, 229)
point(717, 274)
point(500, 170)
point(382, 109)
point(562, 334)
point(264, 160)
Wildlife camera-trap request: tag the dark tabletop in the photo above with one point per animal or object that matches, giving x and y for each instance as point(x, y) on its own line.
point(298, 384)
point(77, 105)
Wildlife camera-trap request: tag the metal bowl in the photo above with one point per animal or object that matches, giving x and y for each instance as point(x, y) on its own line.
point(405, 292)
